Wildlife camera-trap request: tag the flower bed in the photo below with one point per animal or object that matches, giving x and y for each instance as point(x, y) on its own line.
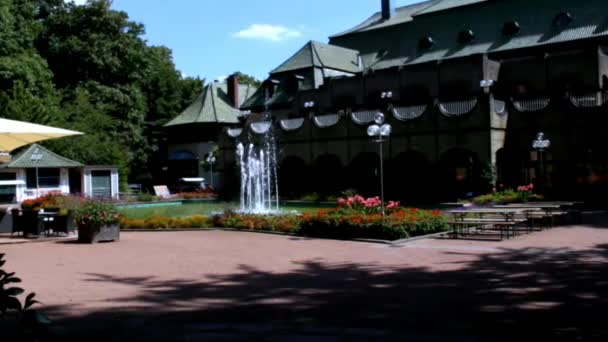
point(522, 194)
point(400, 224)
point(161, 222)
point(355, 218)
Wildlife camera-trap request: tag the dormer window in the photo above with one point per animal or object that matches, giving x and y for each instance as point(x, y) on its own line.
point(511, 28)
point(426, 43)
point(466, 36)
point(562, 19)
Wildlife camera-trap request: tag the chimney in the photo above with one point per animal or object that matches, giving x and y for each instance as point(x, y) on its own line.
point(387, 9)
point(233, 89)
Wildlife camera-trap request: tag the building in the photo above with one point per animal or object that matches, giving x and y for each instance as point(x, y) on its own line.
point(200, 130)
point(36, 171)
point(466, 85)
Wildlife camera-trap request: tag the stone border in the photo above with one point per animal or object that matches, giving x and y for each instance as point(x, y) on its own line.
point(385, 242)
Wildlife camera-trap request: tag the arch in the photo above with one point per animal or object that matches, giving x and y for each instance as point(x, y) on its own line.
point(459, 174)
point(328, 175)
point(363, 173)
point(409, 178)
point(294, 177)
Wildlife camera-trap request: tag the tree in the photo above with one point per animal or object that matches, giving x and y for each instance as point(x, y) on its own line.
point(248, 79)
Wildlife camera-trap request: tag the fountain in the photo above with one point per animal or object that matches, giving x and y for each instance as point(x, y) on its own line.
point(259, 186)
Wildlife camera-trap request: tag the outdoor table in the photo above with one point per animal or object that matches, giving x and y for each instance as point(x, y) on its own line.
point(47, 219)
point(508, 215)
point(549, 209)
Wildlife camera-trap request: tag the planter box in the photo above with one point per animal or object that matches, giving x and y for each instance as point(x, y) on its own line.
point(92, 234)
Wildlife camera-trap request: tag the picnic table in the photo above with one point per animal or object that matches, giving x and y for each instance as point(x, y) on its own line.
point(544, 210)
point(503, 219)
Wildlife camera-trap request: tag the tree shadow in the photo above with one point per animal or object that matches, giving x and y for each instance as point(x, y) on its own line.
point(540, 293)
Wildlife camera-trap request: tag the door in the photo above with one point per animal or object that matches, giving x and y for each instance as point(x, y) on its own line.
point(101, 184)
point(75, 181)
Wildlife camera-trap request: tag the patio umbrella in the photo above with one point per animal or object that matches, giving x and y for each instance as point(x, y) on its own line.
point(14, 134)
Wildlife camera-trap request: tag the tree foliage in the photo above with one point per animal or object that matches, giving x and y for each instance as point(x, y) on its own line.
point(88, 68)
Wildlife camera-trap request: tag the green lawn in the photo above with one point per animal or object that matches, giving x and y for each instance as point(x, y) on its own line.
point(190, 209)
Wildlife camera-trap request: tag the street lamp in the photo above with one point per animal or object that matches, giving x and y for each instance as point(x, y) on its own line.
point(210, 161)
point(541, 144)
point(380, 132)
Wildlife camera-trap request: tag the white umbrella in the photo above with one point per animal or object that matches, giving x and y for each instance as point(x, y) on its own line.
point(14, 134)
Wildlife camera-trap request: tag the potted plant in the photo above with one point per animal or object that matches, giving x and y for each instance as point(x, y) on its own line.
point(97, 221)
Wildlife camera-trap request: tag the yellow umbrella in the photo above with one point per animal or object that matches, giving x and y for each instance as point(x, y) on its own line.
point(14, 134)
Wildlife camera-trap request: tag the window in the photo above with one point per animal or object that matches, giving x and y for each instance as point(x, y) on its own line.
point(47, 178)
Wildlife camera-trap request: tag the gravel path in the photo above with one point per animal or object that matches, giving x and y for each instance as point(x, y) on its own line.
point(230, 285)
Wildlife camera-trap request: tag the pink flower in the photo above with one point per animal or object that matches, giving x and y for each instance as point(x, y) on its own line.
point(531, 186)
point(494, 190)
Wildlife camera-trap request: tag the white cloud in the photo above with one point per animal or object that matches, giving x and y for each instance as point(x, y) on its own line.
point(273, 33)
point(77, 2)
point(221, 78)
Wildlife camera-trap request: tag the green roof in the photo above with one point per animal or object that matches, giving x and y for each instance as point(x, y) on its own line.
point(444, 5)
point(485, 19)
point(36, 156)
point(315, 54)
point(402, 15)
point(213, 106)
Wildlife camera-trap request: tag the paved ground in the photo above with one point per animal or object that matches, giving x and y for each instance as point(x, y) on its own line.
point(227, 285)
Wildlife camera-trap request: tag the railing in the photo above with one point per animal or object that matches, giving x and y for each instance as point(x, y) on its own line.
point(409, 112)
point(363, 117)
point(234, 132)
point(589, 100)
point(261, 127)
point(531, 105)
point(457, 108)
point(328, 120)
point(289, 125)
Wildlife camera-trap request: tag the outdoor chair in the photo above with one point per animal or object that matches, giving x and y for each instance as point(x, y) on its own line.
point(63, 223)
point(17, 222)
point(31, 222)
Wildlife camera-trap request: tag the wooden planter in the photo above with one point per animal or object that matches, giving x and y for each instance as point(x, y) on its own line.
point(94, 234)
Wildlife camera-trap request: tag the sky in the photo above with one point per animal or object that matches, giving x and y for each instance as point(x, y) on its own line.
point(214, 38)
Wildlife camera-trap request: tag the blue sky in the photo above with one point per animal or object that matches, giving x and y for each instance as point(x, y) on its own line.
point(213, 38)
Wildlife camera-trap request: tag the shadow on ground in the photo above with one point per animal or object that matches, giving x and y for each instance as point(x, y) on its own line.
point(546, 294)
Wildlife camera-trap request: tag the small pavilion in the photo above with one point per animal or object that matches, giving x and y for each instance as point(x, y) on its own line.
point(37, 171)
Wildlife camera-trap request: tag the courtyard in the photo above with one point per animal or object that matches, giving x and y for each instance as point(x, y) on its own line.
point(236, 285)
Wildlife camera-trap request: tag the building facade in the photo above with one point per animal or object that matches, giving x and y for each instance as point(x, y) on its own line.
point(36, 171)
point(466, 85)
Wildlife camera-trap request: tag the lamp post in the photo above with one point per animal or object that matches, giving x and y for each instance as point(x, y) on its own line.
point(380, 132)
point(210, 161)
point(540, 144)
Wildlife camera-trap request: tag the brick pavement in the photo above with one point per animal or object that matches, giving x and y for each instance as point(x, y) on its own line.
point(230, 285)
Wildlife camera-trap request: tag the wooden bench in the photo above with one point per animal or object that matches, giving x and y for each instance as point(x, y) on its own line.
point(483, 224)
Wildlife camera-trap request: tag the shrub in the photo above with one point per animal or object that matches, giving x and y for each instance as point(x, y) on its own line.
point(287, 223)
point(199, 194)
point(146, 198)
point(161, 222)
point(97, 213)
point(9, 301)
point(312, 197)
point(522, 194)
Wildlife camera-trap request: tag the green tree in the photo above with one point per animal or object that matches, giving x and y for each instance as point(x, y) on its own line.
point(248, 79)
